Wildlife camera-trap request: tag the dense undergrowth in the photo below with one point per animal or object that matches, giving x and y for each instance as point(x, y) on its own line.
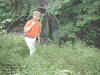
point(49, 59)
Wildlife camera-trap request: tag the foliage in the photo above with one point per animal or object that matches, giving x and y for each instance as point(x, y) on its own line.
point(49, 59)
point(78, 18)
point(0, 24)
point(57, 4)
point(14, 8)
point(6, 22)
point(5, 10)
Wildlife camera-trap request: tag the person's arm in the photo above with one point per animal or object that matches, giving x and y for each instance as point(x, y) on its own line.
point(29, 28)
point(38, 36)
point(39, 31)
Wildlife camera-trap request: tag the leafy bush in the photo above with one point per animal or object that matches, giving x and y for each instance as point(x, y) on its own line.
point(78, 19)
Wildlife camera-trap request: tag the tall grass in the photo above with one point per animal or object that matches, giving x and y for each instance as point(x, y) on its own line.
point(49, 59)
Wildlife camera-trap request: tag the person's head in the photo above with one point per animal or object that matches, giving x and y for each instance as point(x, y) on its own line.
point(36, 15)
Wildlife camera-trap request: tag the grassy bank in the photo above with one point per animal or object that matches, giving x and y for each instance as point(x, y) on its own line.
point(50, 59)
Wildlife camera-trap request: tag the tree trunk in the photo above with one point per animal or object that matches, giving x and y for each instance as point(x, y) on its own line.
point(50, 26)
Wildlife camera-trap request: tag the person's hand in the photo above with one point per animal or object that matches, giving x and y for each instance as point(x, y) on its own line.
point(39, 41)
point(33, 23)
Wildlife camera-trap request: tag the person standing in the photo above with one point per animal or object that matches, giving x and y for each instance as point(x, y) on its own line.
point(32, 30)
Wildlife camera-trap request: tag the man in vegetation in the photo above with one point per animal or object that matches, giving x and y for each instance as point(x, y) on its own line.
point(32, 30)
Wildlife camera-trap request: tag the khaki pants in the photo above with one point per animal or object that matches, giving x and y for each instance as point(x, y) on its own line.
point(31, 44)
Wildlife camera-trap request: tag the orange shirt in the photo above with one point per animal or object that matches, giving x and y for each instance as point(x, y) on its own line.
point(36, 29)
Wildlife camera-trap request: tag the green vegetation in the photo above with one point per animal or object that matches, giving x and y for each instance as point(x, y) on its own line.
point(78, 58)
point(74, 19)
point(78, 19)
